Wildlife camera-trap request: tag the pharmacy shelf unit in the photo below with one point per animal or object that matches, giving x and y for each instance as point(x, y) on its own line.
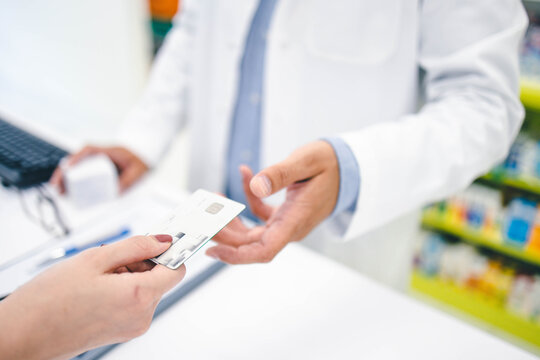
point(530, 94)
point(475, 306)
point(527, 184)
point(434, 221)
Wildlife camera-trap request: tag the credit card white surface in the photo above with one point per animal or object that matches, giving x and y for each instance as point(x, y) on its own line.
point(193, 224)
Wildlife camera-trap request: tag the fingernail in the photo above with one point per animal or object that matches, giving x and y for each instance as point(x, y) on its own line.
point(163, 238)
point(261, 186)
point(213, 256)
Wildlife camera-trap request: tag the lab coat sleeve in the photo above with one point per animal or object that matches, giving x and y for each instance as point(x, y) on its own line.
point(472, 113)
point(152, 124)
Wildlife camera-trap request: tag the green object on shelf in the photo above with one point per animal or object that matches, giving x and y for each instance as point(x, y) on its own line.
point(530, 94)
point(434, 221)
point(530, 184)
point(479, 307)
point(161, 27)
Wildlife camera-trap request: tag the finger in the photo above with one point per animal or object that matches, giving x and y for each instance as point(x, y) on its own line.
point(236, 224)
point(141, 266)
point(121, 270)
point(246, 254)
point(257, 206)
point(238, 238)
point(132, 250)
point(57, 180)
point(302, 164)
point(57, 177)
point(161, 278)
point(129, 176)
point(230, 236)
point(85, 152)
point(269, 242)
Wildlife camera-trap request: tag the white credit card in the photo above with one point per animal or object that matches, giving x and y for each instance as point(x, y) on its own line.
point(193, 224)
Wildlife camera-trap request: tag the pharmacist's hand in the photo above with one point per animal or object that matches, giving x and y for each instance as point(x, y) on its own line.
point(311, 176)
point(104, 295)
point(130, 167)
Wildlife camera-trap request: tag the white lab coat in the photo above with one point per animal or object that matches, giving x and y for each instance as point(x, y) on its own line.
point(349, 68)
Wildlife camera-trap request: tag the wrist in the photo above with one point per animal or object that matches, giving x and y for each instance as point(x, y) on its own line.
point(16, 326)
point(25, 331)
point(349, 175)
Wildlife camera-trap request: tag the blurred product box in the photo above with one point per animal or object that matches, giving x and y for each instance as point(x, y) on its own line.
point(163, 9)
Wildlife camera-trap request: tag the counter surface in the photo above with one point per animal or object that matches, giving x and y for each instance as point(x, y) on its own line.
point(305, 306)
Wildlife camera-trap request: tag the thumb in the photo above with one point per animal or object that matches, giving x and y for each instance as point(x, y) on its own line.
point(137, 248)
point(300, 165)
point(303, 164)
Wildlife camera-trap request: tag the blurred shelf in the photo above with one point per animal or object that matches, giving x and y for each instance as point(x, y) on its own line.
point(529, 184)
point(530, 94)
point(161, 27)
point(477, 306)
point(432, 220)
point(163, 9)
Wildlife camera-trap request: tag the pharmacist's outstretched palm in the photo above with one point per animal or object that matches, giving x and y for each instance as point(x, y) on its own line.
point(311, 176)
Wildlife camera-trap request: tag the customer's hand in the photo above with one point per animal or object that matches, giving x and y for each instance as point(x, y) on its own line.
point(311, 176)
point(101, 296)
point(130, 167)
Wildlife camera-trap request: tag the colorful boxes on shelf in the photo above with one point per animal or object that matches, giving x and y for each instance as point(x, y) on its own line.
point(478, 212)
point(163, 9)
point(461, 265)
point(162, 13)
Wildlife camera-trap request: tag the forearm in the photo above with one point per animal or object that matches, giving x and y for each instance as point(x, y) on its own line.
point(349, 176)
point(153, 122)
point(23, 335)
point(38, 323)
point(426, 157)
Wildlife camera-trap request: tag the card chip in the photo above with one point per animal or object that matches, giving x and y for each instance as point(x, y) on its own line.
point(214, 208)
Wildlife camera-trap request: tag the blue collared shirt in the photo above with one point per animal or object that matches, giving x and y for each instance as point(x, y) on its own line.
point(245, 136)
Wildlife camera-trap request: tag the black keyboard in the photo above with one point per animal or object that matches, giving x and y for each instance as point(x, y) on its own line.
point(25, 160)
